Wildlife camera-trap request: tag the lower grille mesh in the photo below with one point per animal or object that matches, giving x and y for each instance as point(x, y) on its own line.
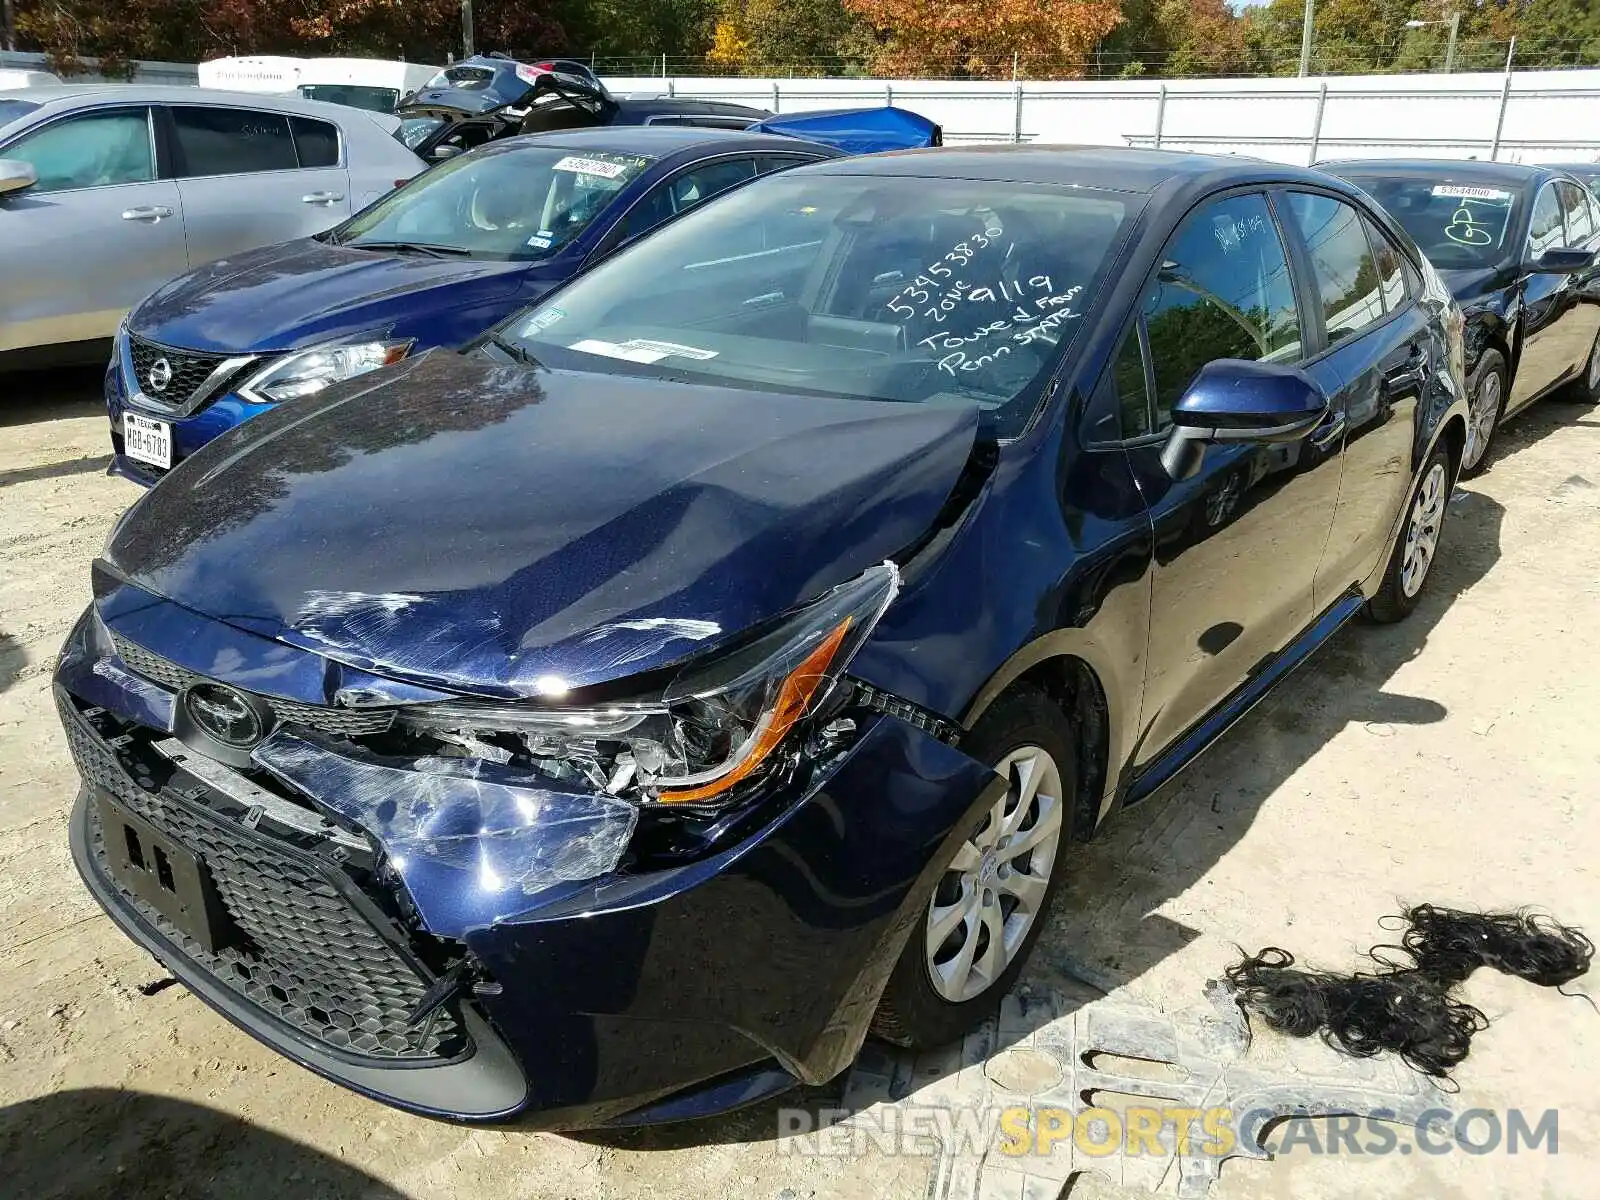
point(307, 956)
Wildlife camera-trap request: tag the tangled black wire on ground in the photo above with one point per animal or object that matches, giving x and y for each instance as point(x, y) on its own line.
point(1407, 1008)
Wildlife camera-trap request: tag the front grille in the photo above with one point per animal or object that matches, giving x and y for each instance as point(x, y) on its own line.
point(301, 951)
point(189, 370)
point(341, 722)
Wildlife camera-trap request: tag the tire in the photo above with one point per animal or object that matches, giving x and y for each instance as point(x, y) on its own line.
point(917, 1011)
point(1486, 405)
point(1585, 389)
point(1426, 507)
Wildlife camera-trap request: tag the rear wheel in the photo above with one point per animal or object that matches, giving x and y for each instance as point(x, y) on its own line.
point(1418, 543)
point(1585, 389)
point(989, 904)
point(1487, 401)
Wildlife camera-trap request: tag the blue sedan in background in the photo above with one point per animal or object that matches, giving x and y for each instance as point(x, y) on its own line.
point(434, 263)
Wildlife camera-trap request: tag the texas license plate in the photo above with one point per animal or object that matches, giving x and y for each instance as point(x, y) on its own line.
point(169, 877)
point(146, 440)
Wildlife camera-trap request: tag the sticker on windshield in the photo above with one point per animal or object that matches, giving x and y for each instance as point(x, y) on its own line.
point(545, 319)
point(591, 166)
point(671, 349)
point(1455, 191)
point(628, 353)
point(540, 241)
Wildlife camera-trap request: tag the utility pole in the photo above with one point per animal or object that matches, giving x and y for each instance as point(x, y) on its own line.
point(1450, 49)
point(1305, 38)
point(466, 29)
point(8, 24)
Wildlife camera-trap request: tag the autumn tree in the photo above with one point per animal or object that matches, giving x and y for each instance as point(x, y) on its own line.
point(792, 37)
point(979, 37)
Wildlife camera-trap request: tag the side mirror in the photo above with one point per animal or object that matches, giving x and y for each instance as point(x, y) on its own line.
point(1232, 400)
point(1563, 260)
point(16, 175)
point(440, 153)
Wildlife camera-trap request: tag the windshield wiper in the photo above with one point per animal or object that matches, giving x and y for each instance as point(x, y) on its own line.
point(417, 247)
point(513, 350)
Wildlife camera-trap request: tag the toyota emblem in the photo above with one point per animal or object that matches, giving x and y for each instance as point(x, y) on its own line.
point(160, 375)
point(229, 716)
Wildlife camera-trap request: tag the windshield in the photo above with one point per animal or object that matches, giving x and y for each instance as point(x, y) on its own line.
point(373, 99)
point(916, 290)
point(471, 79)
point(519, 203)
point(11, 110)
point(1457, 225)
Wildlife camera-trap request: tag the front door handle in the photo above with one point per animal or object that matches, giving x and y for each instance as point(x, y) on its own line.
point(322, 198)
point(149, 214)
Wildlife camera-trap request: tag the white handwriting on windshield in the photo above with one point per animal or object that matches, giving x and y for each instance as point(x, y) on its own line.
point(1023, 326)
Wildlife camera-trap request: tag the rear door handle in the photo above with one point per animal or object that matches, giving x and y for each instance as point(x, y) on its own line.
point(322, 198)
point(149, 214)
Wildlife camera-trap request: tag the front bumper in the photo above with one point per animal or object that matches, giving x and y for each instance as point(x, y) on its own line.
point(650, 993)
point(188, 433)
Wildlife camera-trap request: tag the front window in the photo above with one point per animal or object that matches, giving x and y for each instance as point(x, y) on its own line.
point(373, 99)
point(521, 203)
point(1457, 225)
point(94, 150)
point(913, 290)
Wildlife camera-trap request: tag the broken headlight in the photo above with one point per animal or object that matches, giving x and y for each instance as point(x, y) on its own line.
point(716, 724)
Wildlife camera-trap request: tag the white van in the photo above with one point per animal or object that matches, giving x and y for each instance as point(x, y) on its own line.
point(10, 78)
point(372, 83)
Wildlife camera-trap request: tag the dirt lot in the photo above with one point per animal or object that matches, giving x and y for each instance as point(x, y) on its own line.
point(1452, 758)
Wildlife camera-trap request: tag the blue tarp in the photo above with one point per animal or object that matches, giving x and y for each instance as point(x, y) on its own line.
point(857, 130)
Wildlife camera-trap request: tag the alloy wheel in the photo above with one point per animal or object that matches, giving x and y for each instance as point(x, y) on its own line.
point(1422, 532)
point(1485, 411)
point(994, 888)
point(1594, 368)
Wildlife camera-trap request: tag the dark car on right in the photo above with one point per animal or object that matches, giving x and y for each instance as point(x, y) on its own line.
point(1516, 245)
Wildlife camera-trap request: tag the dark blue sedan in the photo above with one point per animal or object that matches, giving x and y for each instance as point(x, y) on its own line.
point(616, 721)
point(434, 263)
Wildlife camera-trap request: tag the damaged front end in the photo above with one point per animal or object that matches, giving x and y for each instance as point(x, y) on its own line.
point(556, 905)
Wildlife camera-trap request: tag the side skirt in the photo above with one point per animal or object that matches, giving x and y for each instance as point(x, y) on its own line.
point(1193, 743)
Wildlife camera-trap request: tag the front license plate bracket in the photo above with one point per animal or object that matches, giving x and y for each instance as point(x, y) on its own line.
point(166, 875)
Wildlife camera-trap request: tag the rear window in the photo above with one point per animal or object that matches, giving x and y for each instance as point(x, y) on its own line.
point(316, 142)
point(471, 79)
point(232, 141)
point(12, 110)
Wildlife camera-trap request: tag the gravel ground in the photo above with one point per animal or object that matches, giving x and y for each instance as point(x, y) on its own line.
point(1452, 758)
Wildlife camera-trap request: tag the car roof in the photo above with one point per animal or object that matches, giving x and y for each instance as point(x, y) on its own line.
point(1114, 168)
point(658, 140)
point(64, 95)
point(1470, 170)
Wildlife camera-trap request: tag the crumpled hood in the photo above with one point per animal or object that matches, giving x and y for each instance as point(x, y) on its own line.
point(297, 293)
point(492, 529)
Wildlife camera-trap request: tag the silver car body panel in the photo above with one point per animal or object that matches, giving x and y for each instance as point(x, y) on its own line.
point(76, 260)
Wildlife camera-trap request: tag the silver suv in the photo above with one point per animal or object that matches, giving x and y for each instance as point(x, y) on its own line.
point(107, 191)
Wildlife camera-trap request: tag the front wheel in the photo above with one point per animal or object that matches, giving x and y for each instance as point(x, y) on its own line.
point(989, 904)
point(1418, 543)
point(1487, 399)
